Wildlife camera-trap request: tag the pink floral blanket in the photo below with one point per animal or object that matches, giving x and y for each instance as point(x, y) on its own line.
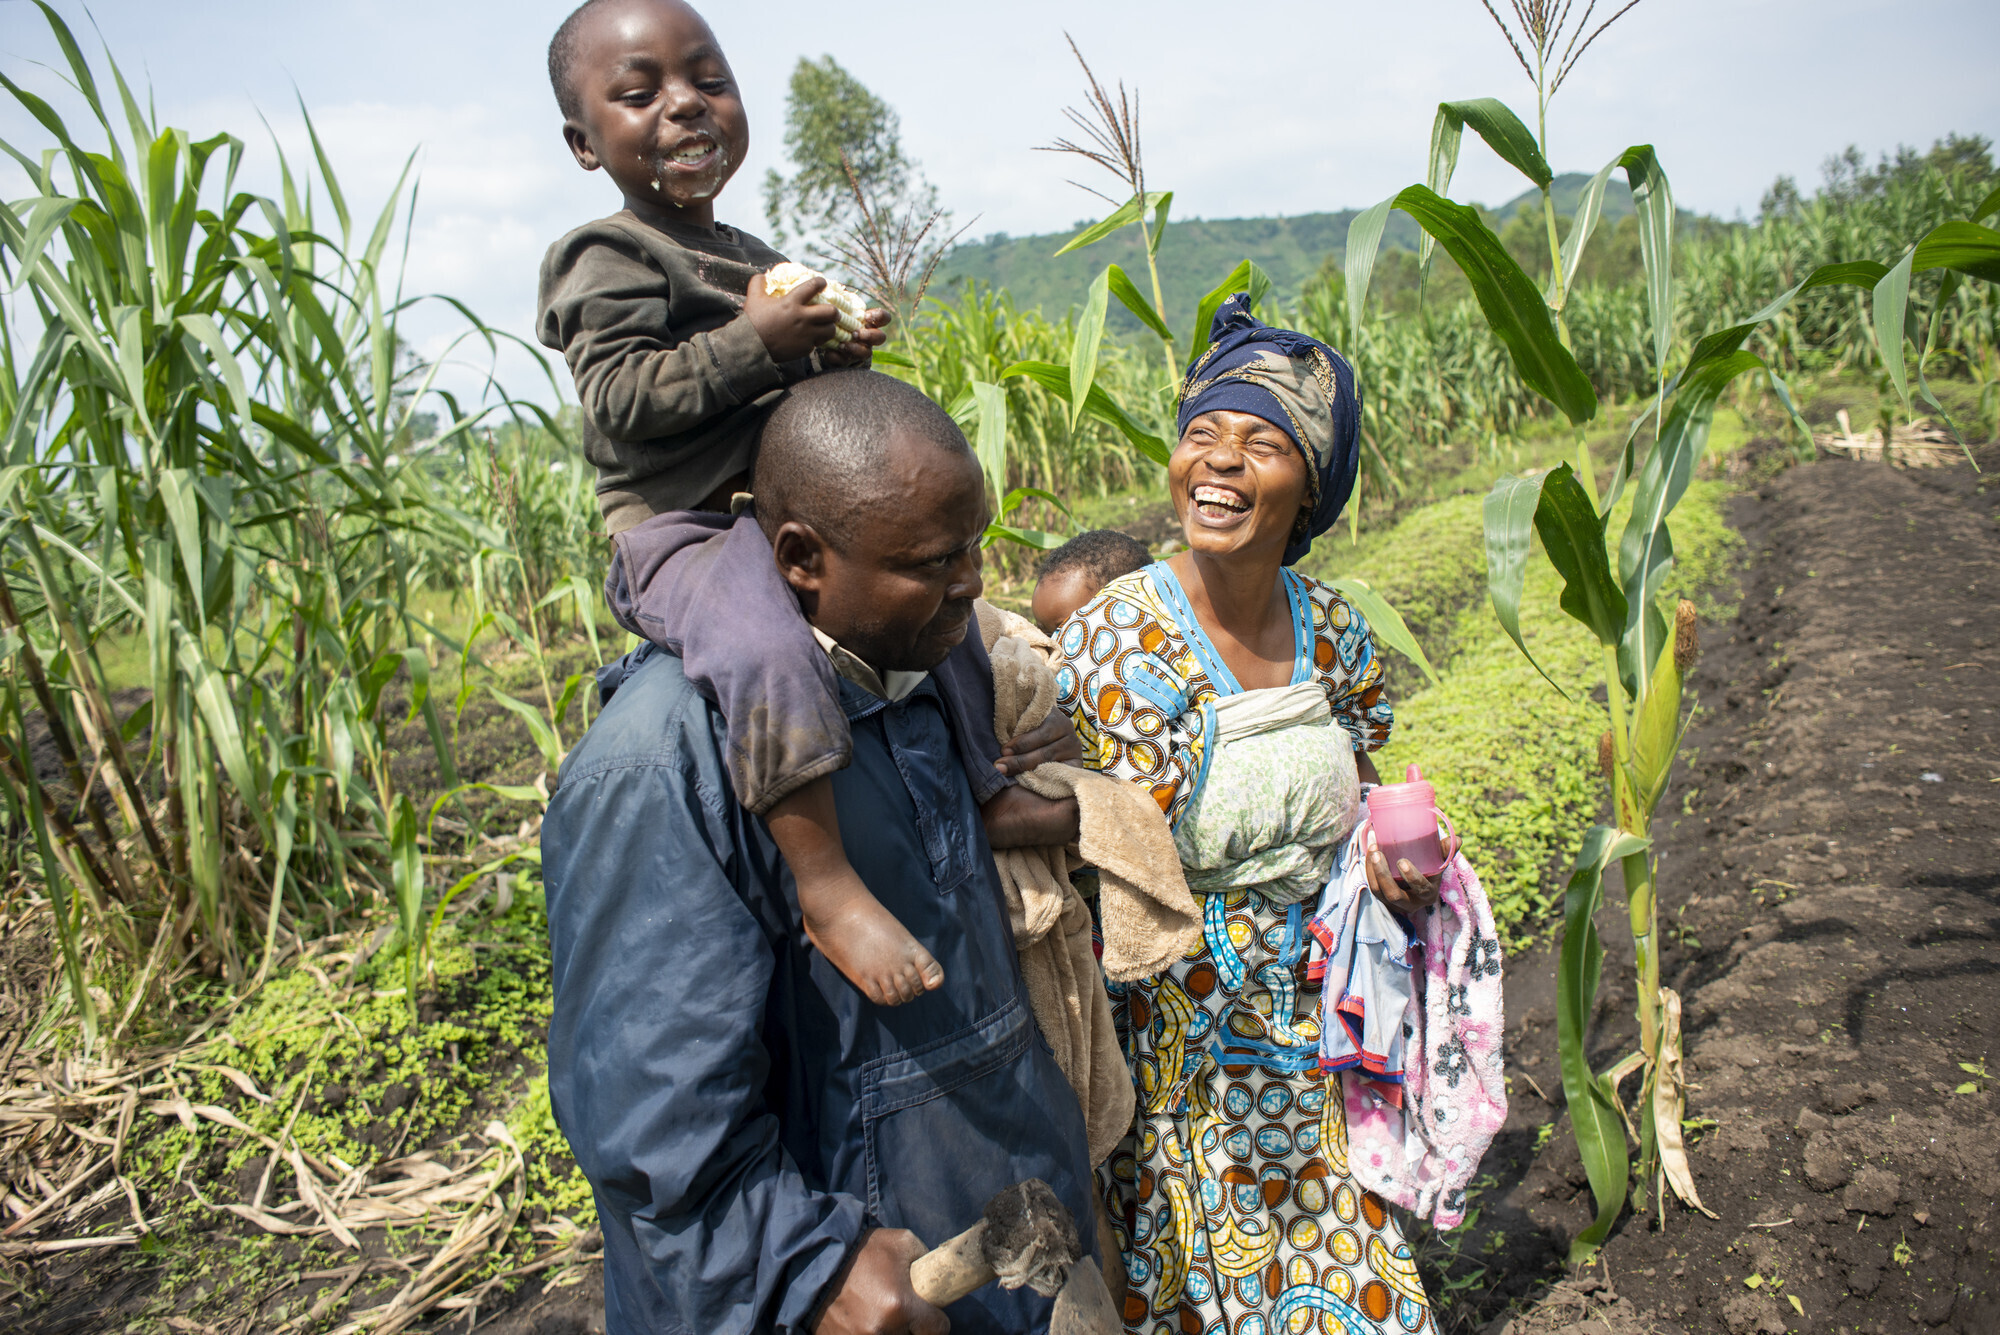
point(1422, 1154)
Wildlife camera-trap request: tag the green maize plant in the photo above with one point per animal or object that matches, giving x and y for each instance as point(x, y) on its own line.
point(1099, 383)
point(208, 479)
point(1644, 656)
point(974, 337)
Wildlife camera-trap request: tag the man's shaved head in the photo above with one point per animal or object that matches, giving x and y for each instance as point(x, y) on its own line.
point(875, 507)
point(824, 456)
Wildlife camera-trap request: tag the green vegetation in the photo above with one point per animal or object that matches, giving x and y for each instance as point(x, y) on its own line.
point(845, 145)
point(1644, 657)
point(1293, 250)
point(289, 636)
point(1514, 764)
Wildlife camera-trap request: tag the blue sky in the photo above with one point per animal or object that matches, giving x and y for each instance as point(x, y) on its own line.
point(1248, 110)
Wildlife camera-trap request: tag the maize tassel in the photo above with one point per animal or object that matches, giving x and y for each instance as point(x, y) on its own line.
point(851, 304)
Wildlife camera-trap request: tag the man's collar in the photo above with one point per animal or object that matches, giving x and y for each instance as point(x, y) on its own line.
point(892, 686)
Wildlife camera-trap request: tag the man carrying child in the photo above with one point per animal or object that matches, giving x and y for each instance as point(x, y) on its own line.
point(766, 1141)
point(758, 1135)
point(679, 356)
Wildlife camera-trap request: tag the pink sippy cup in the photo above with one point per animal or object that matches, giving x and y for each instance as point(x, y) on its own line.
point(1405, 819)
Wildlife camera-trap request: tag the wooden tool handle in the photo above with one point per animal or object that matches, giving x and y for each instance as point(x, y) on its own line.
point(949, 1271)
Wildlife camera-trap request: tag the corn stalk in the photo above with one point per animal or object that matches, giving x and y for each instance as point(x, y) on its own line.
point(1644, 658)
point(208, 482)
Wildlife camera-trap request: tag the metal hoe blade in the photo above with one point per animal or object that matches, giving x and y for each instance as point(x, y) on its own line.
point(1084, 1306)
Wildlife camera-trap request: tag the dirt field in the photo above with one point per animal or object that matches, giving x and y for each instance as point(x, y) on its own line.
point(1839, 859)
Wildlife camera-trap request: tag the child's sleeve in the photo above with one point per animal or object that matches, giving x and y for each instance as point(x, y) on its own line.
point(605, 306)
point(1344, 654)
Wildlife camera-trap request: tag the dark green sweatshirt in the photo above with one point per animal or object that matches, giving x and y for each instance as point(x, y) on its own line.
point(674, 382)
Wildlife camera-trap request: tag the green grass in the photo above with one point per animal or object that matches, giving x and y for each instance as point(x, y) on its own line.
point(1515, 764)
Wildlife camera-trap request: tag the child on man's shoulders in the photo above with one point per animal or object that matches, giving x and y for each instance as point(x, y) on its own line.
point(679, 354)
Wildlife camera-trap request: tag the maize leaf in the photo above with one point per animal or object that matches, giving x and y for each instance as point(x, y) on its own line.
point(989, 437)
point(1892, 312)
point(1656, 730)
point(406, 872)
point(1384, 621)
point(1670, 1101)
point(1653, 200)
point(538, 727)
point(1364, 239)
point(1509, 513)
point(1123, 288)
point(1964, 247)
point(1646, 549)
point(1573, 536)
point(1247, 277)
point(1961, 247)
point(1509, 299)
point(1084, 347)
point(1595, 1119)
point(1100, 405)
point(1123, 216)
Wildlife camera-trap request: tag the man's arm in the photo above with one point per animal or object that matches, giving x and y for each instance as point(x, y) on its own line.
point(656, 1064)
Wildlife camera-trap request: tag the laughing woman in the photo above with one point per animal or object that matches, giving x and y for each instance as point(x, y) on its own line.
point(1245, 697)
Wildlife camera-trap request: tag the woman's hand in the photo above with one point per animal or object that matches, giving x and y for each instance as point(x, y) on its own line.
point(874, 1296)
point(1406, 890)
point(1053, 741)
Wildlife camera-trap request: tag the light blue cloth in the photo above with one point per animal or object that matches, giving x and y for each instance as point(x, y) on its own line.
point(1367, 986)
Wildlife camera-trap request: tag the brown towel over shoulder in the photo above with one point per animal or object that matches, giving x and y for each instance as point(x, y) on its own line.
point(1149, 917)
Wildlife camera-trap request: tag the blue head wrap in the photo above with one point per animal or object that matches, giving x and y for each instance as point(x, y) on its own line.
point(1296, 383)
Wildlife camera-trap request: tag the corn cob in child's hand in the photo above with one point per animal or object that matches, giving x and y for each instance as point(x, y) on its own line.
point(851, 304)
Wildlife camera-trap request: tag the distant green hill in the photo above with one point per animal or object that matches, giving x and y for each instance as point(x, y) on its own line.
point(1199, 253)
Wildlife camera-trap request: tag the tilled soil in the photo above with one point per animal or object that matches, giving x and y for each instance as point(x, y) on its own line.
point(1837, 851)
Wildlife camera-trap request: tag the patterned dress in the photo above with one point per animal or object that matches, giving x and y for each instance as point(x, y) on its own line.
point(1232, 1202)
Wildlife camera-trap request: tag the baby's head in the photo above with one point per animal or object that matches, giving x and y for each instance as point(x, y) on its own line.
point(1071, 575)
point(646, 94)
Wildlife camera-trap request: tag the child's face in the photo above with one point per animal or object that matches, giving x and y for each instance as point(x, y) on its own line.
point(660, 109)
point(1059, 595)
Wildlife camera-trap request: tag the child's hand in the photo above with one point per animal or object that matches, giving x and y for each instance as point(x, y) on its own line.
point(861, 348)
point(792, 325)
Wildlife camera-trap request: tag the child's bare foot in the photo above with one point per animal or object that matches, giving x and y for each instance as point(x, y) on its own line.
point(848, 924)
point(864, 941)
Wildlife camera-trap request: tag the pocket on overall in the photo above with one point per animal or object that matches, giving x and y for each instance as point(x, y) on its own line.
point(951, 1123)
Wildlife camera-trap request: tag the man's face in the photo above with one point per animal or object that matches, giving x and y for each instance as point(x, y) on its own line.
point(659, 107)
point(898, 593)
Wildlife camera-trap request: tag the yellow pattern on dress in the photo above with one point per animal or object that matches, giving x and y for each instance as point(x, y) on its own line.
point(1232, 1202)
